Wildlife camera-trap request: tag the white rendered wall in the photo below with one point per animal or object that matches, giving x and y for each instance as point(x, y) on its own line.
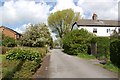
point(101, 31)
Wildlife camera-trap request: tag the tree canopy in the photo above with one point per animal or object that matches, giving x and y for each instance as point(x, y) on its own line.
point(37, 35)
point(61, 21)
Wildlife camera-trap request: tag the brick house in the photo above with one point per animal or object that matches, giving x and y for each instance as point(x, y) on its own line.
point(9, 32)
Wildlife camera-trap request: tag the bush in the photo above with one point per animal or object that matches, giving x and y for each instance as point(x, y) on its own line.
point(24, 54)
point(9, 67)
point(29, 61)
point(77, 41)
point(27, 70)
point(103, 45)
point(4, 49)
point(115, 52)
point(8, 41)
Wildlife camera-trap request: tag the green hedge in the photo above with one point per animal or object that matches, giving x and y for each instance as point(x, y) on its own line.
point(103, 46)
point(77, 41)
point(115, 52)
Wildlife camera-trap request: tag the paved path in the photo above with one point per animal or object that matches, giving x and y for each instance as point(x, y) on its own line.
point(65, 66)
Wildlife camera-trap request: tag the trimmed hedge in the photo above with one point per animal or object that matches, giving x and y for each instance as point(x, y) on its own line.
point(115, 52)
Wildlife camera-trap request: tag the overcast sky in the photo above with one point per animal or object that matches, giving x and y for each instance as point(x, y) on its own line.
point(17, 14)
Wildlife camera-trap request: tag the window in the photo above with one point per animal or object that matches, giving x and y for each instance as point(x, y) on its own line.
point(94, 30)
point(118, 30)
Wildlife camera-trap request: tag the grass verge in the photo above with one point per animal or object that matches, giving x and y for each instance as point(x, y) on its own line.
point(109, 66)
point(86, 56)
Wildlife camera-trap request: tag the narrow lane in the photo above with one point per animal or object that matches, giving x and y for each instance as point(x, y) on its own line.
point(65, 66)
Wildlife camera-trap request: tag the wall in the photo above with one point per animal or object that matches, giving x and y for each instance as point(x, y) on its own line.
point(8, 32)
point(101, 31)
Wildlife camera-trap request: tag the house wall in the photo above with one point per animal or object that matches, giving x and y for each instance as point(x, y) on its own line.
point(8, 32)
point(101, 31)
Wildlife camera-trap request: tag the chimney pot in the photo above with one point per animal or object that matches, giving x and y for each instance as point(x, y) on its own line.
point(94, 17)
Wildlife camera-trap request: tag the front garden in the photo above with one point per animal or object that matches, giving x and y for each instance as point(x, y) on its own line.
point(21, 58)
point(21, 62)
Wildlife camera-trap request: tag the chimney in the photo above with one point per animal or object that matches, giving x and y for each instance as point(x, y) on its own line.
point(94, 17)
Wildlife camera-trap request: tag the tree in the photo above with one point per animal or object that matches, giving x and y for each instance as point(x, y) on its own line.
point(37, 35)
point(61, 21)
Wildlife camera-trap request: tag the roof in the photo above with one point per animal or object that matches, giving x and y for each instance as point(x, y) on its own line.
point(10, 29)
point(98, 23)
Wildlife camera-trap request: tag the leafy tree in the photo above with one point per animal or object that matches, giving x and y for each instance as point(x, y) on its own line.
point(37, 35)
point(77, 41)
point(61, 21)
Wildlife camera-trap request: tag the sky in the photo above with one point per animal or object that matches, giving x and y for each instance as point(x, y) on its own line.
point(18, 14)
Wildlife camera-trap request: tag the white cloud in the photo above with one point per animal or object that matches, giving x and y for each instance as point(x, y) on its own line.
point(65, 4)
point(24, 11)
point(105, 9)
point(22, 28)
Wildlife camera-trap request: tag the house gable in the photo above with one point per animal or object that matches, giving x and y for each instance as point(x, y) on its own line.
point(9, 32)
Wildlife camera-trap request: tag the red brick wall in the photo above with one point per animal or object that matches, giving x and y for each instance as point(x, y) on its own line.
point(8, 32)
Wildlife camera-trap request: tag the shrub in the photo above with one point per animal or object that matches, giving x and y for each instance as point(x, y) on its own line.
point(115, 52)
point(103, 45)
point(8, 41)
point(4, 49)
point(23, 54)
point(29, 61)
point(27, 70)
point(77, 41)
point(9, 67)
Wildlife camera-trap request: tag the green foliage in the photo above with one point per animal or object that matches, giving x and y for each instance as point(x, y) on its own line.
point(21, 63)
point(61, 21)
point(4, 49)
point(86, 56)
point(36, 36)
point(9, 67)
point(109, 66)
point(115, 52)
point(27, 70)
point(77, 41)
point(103, 45)
point(24, 54)
point(8, 41)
